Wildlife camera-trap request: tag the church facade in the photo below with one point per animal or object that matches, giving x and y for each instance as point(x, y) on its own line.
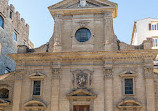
point(84, 67)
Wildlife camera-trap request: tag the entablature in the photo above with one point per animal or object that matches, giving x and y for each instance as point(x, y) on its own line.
point(85, 56)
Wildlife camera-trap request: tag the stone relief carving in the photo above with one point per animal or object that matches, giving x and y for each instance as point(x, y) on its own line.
point(83, 23)
point(83, 3)
point(82, 80)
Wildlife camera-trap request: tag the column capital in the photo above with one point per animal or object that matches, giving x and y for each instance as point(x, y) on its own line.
point(56, 73)
point(148, 73)
point(107, 72)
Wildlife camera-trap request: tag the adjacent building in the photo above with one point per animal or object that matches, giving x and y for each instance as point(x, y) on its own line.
point(13, 32)
point(84, 67)
point(143, 29)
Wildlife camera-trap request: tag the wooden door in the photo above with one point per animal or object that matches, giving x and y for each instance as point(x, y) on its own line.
point(81, 108)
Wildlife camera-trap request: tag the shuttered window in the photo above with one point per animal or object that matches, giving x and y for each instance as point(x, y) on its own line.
point(149, 26)
point(153, 26)
point(155, 42)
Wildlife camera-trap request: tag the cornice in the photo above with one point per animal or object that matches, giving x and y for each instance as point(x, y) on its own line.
point(85, 56)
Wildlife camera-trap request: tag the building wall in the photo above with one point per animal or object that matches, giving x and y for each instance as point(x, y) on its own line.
point(82, 73)
point(142, 32)
point(12, 25)
point(57, 84)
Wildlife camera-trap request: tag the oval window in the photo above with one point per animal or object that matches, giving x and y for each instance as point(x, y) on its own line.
point(83, 35)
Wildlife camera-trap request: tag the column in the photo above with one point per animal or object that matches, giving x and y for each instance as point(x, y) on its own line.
point(150, 91)
point(108, 31)
point(55, 90)
point(17, 95)
point(108, 90)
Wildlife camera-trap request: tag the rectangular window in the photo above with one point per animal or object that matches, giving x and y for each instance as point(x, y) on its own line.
point(155, 42)
point(128, 86)
point(11, 14)
point(15, 36)
point(154, 26)
point(36, 87)
point(7, 70)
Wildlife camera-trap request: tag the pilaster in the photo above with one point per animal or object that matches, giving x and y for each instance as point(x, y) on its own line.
point(108, 89)
point(58, 33)
point(17, 92)
point(150, 91)
point(108, 31)
point(55, 89)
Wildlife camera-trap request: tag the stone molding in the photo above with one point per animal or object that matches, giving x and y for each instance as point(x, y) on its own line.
point(37, 75)
point(128, 74)
point(88, 56)
point(81, 94)
point(35, 105)
point(129, 103)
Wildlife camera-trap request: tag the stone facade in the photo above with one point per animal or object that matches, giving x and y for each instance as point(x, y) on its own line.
point(68, 74)
point(12, 24)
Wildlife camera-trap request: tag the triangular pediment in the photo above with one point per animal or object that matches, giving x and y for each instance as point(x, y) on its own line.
point(37, 75)
point(128, 73)
point(129, 103)
point(89, 4)
point(80, 94)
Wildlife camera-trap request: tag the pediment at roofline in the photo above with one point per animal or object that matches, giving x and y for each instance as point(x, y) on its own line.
point(81, 94)
point(89, 4)
point(76, 4)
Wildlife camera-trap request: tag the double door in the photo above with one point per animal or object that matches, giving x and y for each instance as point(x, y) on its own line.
point(81, 108)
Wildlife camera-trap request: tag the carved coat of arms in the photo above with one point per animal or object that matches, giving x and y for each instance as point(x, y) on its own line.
point(82, 80)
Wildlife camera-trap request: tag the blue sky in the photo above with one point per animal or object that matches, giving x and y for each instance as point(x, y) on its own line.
point(36, 14)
